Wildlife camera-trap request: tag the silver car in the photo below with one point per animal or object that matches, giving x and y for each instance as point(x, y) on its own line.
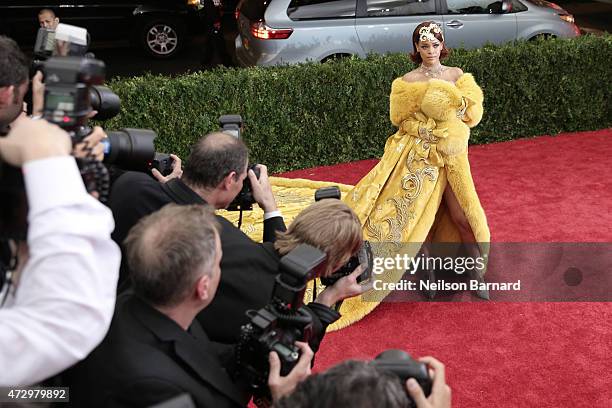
point(272, 32)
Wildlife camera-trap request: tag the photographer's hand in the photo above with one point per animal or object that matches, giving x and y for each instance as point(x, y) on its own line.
point(262, 191)
point(91, 145)
point(345, 287)
point(31, 140)
point(281, 386)
point(38, 94)
point(177, 170)
point(440, 396)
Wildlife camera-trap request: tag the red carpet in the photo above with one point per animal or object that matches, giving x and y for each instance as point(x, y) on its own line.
point(546, 189)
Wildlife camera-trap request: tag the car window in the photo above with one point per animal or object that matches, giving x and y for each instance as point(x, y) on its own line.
point(380, 8)
point(321, 9)
point(517, 6)
point(473, 6)
point(254, 10)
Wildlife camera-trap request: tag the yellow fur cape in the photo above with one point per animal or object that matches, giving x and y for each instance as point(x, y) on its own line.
point(399, 201)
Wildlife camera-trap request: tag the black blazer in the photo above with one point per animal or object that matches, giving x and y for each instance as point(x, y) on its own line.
point(147, 358)
point(248, 268)
point(135, 195)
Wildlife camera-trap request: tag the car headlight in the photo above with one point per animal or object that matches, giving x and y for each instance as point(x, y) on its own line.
point(567, 17)
point(195, 3)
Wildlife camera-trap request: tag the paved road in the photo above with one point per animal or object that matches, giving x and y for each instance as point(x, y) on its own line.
point(591, 16)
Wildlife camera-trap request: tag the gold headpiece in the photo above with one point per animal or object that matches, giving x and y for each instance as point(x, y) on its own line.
point(426, 33)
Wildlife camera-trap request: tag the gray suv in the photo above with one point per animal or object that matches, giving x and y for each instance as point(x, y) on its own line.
point(272, 32)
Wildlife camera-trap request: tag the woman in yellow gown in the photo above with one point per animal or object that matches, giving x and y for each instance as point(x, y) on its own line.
point(422, 189)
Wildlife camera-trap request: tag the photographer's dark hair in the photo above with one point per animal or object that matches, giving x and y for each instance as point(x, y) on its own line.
point(354, 384)
point(214, 157)
point(168, 250)
point(13, 63)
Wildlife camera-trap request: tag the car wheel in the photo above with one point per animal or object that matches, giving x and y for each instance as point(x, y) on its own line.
point(335, 57)
point(162, 38)
point(543, 36)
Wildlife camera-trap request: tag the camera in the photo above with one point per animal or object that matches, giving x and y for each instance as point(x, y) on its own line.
point(244, 200)
point(232, 125)
point(163, 163)
point(70, 83)
point(282, 322)
point(73, 89)
point(364, 256)
point(401, 364)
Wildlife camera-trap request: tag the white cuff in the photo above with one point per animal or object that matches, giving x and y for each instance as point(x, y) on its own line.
point(272, 214)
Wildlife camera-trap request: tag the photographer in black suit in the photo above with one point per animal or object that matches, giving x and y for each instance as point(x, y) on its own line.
point(328, 225)
point(155, 350)
point(214, 174)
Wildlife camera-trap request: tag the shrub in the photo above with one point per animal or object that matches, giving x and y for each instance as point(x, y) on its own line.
point(314, 114)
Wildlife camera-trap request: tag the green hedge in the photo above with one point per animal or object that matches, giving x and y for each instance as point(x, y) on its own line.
point(314, 114)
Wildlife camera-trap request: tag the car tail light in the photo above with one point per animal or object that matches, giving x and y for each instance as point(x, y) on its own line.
point(237, 14)
point(567, 17)
point(260, 30)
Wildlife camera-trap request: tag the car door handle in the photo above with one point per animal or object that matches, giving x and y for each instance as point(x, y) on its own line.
point(454, 24)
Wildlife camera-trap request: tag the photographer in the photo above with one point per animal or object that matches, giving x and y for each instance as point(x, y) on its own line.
point(358, 384)
point(214, 174)
point(48, 19)
point(59, 305)
point(155, 349)
point(328, 225)
point(60, 296)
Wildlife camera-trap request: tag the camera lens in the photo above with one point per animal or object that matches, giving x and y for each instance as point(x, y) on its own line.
point(130, 149)
point(105, 101)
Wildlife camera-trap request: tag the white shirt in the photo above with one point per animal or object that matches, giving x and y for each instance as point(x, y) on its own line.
point(64, 301)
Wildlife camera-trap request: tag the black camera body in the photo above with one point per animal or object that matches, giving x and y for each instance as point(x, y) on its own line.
point(73, 91)
point(278, 325)
point(404, 366)
point(232, 125)
point(163, 163)
point(363, 257)
point(244, 200)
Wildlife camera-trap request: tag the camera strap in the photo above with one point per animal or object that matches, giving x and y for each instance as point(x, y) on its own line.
point(180, 193)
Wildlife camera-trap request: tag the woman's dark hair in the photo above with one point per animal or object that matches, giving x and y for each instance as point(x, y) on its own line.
point(415, 56)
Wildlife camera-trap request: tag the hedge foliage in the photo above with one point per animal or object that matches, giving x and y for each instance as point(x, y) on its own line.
point(314, 114)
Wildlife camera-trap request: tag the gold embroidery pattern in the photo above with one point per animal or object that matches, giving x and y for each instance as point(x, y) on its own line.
point(285, 196)
point(412, 184)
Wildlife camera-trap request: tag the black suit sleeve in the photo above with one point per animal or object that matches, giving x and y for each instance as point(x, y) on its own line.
point(144, 393)
point(322, 316)
point(133, 196)
point(271, 225)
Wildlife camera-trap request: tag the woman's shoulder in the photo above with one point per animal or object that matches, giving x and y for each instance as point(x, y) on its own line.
point(414, 76)
point(451, 74)
point(455, 73)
